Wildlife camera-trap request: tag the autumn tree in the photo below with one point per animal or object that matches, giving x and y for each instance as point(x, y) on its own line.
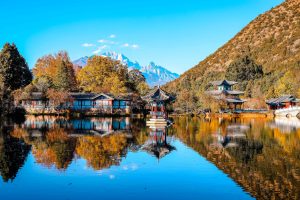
point(185, 101)
point(13, 68)
point(58, 70)
point(58, 98)
point(288, 84)
point(42, 84)
point(137, 82)
point(103, 75)
point(212, 104)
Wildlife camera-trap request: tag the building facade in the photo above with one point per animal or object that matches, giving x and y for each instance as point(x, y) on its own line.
point(89, 103)
point(285, 101)
point(223, 91)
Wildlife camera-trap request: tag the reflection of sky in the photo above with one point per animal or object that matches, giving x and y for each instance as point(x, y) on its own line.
point(183, 174)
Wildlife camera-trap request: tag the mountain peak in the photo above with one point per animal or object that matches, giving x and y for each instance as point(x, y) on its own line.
point(154, 74)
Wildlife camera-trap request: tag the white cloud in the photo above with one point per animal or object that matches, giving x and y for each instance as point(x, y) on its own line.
point(135, 46)
point(107, 42)
point(101, 41)
point(112, 36)
point(87, 45)
point(99, 49)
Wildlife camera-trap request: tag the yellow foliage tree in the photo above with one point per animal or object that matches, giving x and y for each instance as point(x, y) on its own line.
point(103, 75)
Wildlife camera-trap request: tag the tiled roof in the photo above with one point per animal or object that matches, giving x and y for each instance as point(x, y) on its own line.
point(234, 92)
point(235, 100)
point(282, 99)
point(218, 92)
point(36, 96)
point(80, 96)
point(83, 95)
point(157, 94)
point(223, 82)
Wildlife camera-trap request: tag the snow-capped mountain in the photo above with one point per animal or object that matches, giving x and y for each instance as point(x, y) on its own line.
point(154, 74)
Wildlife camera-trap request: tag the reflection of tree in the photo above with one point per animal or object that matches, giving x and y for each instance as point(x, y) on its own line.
point(58, 149)
point(139, 132)
point(246, 150)
point(268, 172)
point(102, 152)
point(13, 153)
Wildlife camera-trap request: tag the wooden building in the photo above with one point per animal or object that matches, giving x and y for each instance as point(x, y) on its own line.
point(157, 100)
point(223, 91)
point(285, 101)
point(81, 102)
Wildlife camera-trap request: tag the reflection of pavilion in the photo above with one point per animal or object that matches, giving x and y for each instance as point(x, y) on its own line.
point(93, 126)
point(234, 134)
point(158, 144)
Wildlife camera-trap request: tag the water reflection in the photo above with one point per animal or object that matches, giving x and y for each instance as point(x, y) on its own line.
point(102, 142)
point(158, 143)
point(95, 126)
point(55, 142)
point(264, 161)
point(258, 155)
point(285, 124)
point(13, 153)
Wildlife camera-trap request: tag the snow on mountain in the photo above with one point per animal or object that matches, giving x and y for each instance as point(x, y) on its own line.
point(154, 74)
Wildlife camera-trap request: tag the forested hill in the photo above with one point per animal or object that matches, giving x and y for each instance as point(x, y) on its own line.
point(264, 57)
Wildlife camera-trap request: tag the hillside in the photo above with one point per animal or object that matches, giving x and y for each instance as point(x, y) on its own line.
point(154, 74)
point(271, 41)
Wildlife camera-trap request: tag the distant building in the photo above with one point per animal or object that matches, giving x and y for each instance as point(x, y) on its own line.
point(223, 90)
point(81, 102)
point(285, 101)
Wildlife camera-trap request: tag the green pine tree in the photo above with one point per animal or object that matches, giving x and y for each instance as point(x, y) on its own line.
point(13, 68)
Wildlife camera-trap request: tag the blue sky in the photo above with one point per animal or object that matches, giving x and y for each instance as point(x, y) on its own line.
point(175, 34)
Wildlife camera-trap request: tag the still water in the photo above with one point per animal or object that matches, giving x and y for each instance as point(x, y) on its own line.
point(120, 158)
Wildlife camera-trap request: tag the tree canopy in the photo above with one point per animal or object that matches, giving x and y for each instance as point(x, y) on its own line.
point(106, 75)
point(57, 70)
point(13, 68)
point(244, 70)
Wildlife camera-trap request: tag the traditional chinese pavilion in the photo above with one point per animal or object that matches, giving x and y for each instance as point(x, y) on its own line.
point(223, 91)
point(157, 99)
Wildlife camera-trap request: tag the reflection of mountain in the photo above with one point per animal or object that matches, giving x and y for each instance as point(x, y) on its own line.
point(264, 163)
point(154, 74)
